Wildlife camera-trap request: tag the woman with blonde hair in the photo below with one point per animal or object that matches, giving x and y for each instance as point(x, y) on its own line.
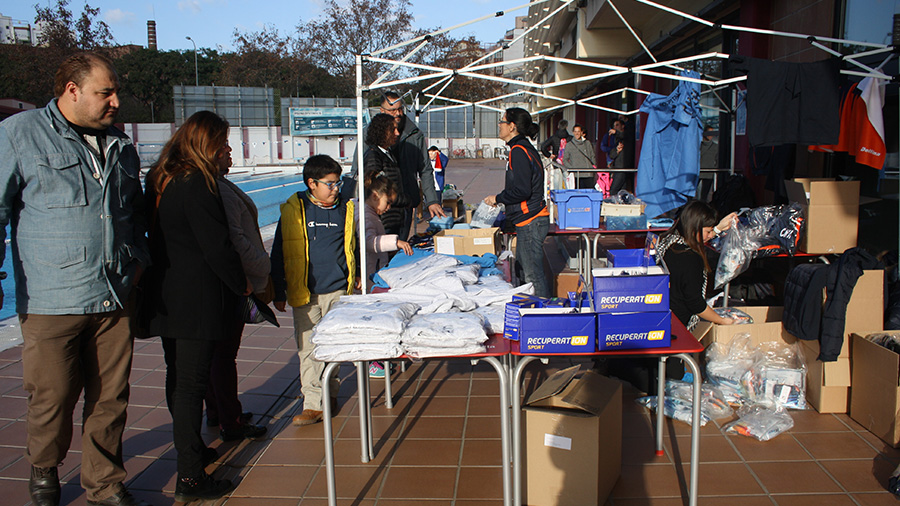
point(195, 279)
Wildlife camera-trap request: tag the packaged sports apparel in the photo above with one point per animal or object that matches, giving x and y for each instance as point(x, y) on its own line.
point(763, 231)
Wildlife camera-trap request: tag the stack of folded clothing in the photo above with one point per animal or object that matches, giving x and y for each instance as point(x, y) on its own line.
point(444, 335)
point(362, 331)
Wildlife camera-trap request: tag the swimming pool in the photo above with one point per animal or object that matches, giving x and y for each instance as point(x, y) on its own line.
point(267, 191)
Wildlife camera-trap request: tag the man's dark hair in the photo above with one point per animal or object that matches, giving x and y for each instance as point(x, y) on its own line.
point(379, 129)
point(76, 68)
point(434, 148)
point(563, 124)
point(392, 97)
point(319, 166)
point(576, 125)
point(618, 120)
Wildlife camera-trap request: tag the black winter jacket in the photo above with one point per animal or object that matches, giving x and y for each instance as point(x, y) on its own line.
point(804, 315)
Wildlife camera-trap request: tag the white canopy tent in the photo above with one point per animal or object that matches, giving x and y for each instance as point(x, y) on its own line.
point(444, 76)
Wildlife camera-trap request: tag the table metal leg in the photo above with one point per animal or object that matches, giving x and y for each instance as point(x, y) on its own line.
point(329, 436)
point(502, 374)
point(388, 394)
point(517, 427)
point(695, 427)
point(362, 380)
point(660, 404)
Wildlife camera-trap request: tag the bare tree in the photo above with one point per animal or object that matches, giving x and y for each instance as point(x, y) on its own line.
point(62, 31)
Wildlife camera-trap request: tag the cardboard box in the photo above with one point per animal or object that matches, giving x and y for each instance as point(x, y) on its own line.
point(622, 209)
point(454, 206)
point(827, 383)
point(832, 213)
point(572, 426)
point(766, 327)
point(473, 241)
point(565, 282)
point(552, 330)
point(627, 331)
point(875, 397)
point(630, 289)
point(511, 314)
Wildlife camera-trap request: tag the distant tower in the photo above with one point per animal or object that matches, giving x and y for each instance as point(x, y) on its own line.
point(151, 35)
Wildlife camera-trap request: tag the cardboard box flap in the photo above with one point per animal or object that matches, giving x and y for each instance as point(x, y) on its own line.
point(877, 358)
point(553, 385)
point(828, 192)
point(589, 394)
point(796, 192)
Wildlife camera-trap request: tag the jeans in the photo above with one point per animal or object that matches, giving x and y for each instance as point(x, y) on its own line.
point(530, 253)
point(187, 377)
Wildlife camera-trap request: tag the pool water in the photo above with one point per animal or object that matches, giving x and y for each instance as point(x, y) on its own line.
point(267, 191)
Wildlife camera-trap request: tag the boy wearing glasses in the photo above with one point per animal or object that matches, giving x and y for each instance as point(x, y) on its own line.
point(314, 263)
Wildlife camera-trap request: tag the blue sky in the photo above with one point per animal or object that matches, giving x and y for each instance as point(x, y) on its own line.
point(211, 22)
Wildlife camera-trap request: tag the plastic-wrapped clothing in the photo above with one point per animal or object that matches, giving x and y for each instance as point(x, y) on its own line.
point(371, 317)
point(426, 352)
point(356, 352)
point(669, 166)
point(444, 330)
point(494, 317)
point(802, 300)
point(414, 273)
point(778, 376)
point(760, 422)
point(487, 262)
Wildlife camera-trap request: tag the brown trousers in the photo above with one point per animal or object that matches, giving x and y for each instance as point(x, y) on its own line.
point(63, 355)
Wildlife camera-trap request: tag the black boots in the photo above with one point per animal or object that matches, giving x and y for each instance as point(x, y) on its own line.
point(200, 487)
point(44, 486)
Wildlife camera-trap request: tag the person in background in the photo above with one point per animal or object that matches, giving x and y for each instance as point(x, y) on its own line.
point(196, 278)
point(71, 194)
point(380, 193)
point(223, 408)
point(380, 136)
point(313, 264)
point(553, 146)
point(709, 159)
point(438, 164)
point(579, 152)
point(618, 156)
point(610, 139)
point(523, 196)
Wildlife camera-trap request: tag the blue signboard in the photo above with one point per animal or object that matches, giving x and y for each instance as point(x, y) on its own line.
point(323, 121)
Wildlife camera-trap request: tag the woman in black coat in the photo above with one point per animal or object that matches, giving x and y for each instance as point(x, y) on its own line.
point(381, 135)
point(195, 279)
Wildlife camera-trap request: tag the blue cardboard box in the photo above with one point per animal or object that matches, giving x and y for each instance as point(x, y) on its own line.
point(628, 331)
point(511, 314)
point(577, 208)
point(630, 289)
point(556, 330)
point(627, 258)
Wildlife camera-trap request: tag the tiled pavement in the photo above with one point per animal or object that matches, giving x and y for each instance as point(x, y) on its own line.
point(440, 445)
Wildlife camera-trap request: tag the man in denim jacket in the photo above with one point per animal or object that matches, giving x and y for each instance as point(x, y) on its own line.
point(70, 188)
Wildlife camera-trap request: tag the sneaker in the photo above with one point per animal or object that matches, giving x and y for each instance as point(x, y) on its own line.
point(244, 430)
point(44, 486)
point(200, 487)
point(376, 370)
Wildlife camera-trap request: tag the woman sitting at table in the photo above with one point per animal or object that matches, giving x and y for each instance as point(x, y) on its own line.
point(682, 248)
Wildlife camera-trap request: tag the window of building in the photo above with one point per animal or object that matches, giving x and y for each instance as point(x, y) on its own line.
point(869, 20)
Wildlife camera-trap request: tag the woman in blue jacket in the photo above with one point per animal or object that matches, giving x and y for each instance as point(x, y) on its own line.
point(523, 196)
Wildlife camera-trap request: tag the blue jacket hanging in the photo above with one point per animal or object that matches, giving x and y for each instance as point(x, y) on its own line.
point(670, 156)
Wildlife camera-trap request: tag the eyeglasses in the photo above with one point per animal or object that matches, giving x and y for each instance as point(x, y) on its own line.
point(332, 185)
point(503, 122)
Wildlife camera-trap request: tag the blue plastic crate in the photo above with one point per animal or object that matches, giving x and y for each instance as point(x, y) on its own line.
point(577, 208)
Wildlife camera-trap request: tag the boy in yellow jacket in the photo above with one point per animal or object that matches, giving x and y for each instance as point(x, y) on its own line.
point(313, 264)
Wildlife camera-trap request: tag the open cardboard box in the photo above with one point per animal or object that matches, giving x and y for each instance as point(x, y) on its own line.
point(831, 209)
point(472, 241)
point(766, 327)
point(875, 396)
point(572, 427)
